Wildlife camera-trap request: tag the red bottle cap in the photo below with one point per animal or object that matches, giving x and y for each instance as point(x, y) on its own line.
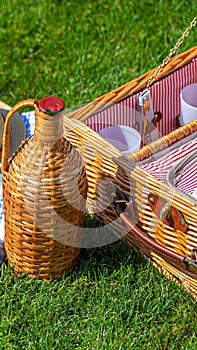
point(51, 105)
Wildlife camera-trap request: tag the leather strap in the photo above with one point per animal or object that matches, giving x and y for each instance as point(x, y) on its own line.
point(120, 202)
point(187, 265)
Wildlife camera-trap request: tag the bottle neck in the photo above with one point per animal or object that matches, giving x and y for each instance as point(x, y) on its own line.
point(48, 128)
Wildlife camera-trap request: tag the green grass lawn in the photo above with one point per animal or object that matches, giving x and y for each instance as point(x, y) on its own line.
point(79, 50)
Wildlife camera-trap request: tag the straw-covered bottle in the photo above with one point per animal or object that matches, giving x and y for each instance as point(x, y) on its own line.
point(44, 190)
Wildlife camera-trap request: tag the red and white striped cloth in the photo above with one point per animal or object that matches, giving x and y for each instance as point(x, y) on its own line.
point(159, 168)
point(165, 96)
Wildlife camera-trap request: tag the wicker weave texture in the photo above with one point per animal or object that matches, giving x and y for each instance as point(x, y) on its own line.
point(109, 165)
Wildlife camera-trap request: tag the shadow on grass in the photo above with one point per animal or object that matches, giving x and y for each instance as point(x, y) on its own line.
point(109, 259)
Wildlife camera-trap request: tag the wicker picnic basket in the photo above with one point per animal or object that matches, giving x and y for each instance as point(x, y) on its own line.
point(44, 192)
point(122, 193)
point(155, 219)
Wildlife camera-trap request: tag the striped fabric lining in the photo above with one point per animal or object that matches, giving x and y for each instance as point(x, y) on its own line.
point(160, 167)
point(165, 96)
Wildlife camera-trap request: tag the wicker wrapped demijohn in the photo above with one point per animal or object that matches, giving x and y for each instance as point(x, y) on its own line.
point(44, 190)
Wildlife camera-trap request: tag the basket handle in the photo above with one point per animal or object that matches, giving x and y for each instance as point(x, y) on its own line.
point(6, 132)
